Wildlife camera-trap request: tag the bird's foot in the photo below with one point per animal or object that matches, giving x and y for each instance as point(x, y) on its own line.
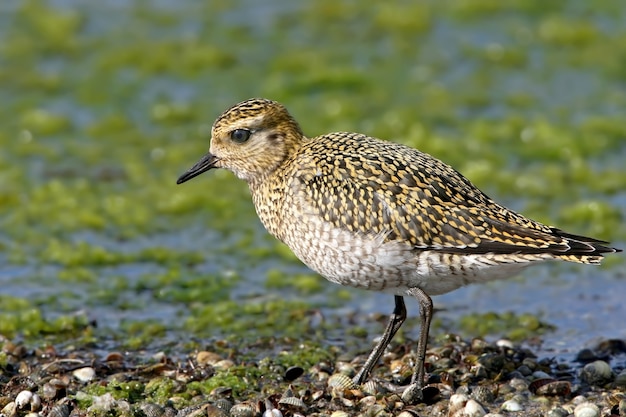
point(412, 394)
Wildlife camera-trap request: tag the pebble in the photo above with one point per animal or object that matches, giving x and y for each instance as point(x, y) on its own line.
point(540, 375)
point(102, 404)
point(557, 412)
point(274, 412)
point(597, 373)
point(505, 343)
point(586, 410)
point(530, 363)
point(114, 357)
point(86, 374)
point(512, 405)
point(620, 379)
point(524, 370)
point(485, 393)
point(224, 364)
point(462, 405)
point(208, 358)
point(519, 384)
point(473, 409)
point(585, 355)
point(458, 401)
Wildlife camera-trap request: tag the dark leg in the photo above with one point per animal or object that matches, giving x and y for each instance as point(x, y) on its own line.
point(414, 391)
point(395, 321)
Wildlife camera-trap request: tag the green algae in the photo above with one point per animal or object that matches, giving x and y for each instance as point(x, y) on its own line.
point(304, 284)
point(250, 319)
point(513, 326)
point(20, 317)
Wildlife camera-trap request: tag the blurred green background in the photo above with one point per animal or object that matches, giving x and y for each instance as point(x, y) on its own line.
point(104, 104)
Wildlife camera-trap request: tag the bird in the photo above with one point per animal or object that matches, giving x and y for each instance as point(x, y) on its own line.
point(378, 215)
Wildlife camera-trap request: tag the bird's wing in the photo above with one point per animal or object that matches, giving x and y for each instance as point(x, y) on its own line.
point(422, 201)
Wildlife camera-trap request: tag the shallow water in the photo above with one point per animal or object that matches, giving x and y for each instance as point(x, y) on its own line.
point(105, 104)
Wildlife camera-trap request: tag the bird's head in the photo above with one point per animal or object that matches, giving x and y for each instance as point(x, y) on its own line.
point(251, 139)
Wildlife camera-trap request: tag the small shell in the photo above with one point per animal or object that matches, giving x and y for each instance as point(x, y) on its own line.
point(317, 395)
point(346, 402)
point(345, 368)
point(408, 413)
point(207, 358)
point(9, 410)
point(224, 364)
point(35, 403)
point(479, 371)
point(27, 400)
point(538, 383)
point(586, 409)
point(374, 411)
point(368, 401)
point(50, 390)
point(293, 373)
point(339, 414)
point(288, 392)
point(201, 410)
point(512, 405)
point(473, 409)
point(292, 402)
point(341, 381)
point(558, 412)
point(86, 374)
point(274, 412)
point(614, 399)
point(270, 411)
point(371, 388)
point(400, 370)
point(213, 411)
point(223, 404)
point(243, 410)
point(505, 343)
point(114, 357)
point(550, 387)
point(457, 402)
point(60, 410)
point(152, 410)
point(431, 394)
point(23, 399)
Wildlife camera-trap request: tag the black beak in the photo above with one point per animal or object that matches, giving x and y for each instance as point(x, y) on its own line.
point(206, 163)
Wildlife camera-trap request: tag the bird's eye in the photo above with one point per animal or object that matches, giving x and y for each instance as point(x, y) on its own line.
point(240, 135)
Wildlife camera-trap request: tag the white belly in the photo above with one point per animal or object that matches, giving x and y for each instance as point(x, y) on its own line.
point(368, 262)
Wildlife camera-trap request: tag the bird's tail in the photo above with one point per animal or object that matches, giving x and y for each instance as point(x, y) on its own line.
point(582, 249)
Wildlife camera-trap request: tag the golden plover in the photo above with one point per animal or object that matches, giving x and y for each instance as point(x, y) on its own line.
point(378, 215)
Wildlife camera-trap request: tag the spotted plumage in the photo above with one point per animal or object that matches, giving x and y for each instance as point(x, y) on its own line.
point(378, 215)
